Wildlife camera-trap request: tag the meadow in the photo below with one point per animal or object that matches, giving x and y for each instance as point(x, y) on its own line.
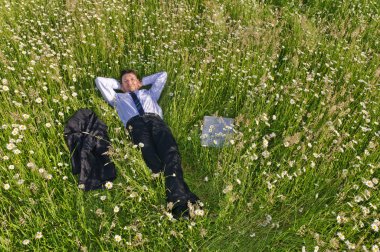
point(300, 78)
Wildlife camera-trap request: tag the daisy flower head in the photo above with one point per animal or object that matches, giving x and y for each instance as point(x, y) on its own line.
point(109, 185)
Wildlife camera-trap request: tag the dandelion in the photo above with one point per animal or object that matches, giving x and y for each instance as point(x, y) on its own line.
point(26, 242)
point(11, 167)
point(117, 238)
point(109, 185)
point(6, 186)
point(39, 235)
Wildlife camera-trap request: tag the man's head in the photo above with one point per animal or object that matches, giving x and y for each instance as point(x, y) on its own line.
point(129, 80)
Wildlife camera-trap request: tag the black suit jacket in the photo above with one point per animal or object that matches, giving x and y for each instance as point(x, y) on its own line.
point(87, 138)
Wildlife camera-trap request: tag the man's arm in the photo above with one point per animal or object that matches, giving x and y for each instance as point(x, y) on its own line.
point(158, 80)
point(106, 86)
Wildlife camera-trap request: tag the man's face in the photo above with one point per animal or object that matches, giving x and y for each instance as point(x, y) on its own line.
point(130, 83)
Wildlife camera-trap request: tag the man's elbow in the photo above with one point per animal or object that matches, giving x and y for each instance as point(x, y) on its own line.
point(98, 82)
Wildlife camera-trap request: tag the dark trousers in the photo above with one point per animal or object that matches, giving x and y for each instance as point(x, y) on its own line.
point(161, 154)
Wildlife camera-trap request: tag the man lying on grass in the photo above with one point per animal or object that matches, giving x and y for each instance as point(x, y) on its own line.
point(142, 116)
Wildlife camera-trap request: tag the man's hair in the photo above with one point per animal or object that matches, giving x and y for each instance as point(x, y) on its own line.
point(127, 71)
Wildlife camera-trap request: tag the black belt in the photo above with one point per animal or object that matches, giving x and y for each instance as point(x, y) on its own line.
point(140, 116)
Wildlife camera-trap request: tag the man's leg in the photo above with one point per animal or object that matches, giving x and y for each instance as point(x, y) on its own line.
point(177, 190)
point(140, 133)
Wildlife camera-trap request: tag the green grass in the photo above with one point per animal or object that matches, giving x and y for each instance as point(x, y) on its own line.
point(303, 75)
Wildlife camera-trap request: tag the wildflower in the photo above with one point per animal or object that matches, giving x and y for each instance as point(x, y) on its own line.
point(265, 143)
point(375, 181)
point(39, 235)
point(117, 238)
point(25, 242)
point(199, 212)
point(369, 183)
point(205, 179)
point(341, 236)
point(99, 212)
point(141, 145)
point(350, 245)
point(16, 151)
point(25, 116)
point(133, 195)
point(74, 94)
point(10, 146)
point(155, 175)
point(30, 165)
point(48, 125)
point(375, 225)
point(11, 167)
point(38, 100)
point(15, 131)
point(6, 186)
point(81, 186)
point(227, 189)
point(169, 215)
point(64, 177)
point(265, 154)
point(103, 198)
point(375, 248)
point(109, 185)
point(116, 209)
